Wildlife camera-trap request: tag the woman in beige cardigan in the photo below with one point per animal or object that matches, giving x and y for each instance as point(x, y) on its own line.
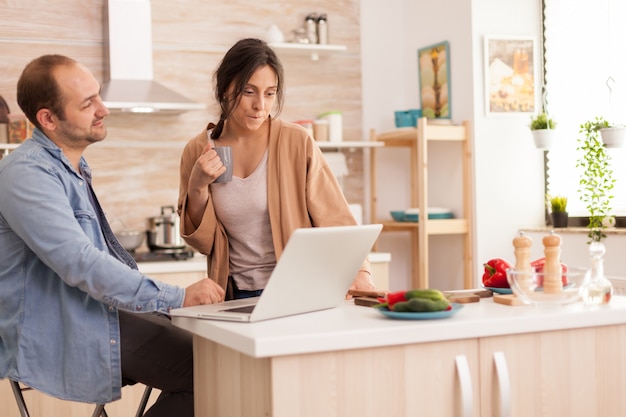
point(281, 180)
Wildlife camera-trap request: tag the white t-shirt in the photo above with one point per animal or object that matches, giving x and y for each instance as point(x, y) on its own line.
point(241, 207)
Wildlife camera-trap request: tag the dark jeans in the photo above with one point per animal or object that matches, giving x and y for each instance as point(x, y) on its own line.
point(158, 354)
point(237, 293)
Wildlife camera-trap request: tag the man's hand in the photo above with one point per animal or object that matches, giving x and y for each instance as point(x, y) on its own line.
point(205, 291)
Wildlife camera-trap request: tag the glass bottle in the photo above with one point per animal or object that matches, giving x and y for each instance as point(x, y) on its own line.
point(310, 25)
point(597, 289)
point(322, 29)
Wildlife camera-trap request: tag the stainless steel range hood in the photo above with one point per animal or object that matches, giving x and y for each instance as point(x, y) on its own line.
point(129, 84)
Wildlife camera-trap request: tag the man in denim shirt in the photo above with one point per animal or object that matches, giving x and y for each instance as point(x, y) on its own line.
point(77, 320)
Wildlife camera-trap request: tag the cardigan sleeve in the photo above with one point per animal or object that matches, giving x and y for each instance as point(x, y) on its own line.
point(200, 237)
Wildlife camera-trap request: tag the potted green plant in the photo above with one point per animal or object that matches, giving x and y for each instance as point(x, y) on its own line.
point(596, 180)
point(558, 210)
point(542, 128)
point(613, 135)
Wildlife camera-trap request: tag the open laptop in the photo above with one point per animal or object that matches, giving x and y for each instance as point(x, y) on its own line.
point(314, 273)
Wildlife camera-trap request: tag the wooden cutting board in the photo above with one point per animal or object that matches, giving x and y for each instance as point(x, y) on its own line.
point(366, 301)
point(507, 299)
point(467, 296)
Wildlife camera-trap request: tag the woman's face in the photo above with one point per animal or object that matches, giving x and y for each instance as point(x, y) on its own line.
point(256, 101)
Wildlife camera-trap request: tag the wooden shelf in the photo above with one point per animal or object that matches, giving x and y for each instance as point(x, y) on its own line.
point(435, 227)
point(417, 139)
point(350, 144)
point(314, 50)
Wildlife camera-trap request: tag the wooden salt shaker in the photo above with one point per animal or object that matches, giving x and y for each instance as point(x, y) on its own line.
point(552, 283)
point(522, 244)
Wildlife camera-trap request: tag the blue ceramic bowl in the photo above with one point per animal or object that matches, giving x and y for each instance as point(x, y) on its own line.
point(411, 215)
point(398, 215)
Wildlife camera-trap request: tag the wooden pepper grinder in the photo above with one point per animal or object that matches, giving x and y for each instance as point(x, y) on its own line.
point(522, 244)
point(552, 283)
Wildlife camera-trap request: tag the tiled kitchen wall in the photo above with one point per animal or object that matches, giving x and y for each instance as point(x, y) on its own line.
point(136, 167)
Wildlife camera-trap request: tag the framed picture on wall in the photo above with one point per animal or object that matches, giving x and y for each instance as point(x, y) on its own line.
point(510, 75)
point(434, 80)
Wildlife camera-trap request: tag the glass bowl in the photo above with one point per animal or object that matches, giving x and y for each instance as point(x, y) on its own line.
point(529, 286)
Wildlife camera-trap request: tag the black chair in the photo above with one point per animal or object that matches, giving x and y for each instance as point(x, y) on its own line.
point(99, 411)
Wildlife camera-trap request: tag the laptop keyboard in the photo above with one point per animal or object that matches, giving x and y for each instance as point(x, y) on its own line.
point(244, 309)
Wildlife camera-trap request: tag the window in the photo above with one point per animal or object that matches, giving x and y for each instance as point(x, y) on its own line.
point(585, 77)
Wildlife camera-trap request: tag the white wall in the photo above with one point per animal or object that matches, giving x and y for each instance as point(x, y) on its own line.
point(508, 169)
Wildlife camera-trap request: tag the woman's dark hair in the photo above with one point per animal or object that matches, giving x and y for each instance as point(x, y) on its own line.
point(236, 68)
point(37, 88)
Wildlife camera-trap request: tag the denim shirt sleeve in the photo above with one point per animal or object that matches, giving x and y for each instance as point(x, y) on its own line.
point(46, 205)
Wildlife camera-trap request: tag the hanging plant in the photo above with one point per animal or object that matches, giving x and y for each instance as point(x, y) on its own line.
point(542, 130)
point(596, 180)
point(541, 121)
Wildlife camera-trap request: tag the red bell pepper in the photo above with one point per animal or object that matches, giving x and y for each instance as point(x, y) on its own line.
point(495, 273)
point(395, 297)
point(540, 263)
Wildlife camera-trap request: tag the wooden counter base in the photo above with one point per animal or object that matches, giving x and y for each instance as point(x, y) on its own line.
point(522, 362)
point(582, 370)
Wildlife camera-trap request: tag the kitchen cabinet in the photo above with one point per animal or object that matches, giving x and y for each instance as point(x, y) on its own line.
point(487, 360)
point(552, 374)
point(177, 272)
point(414, 380)
point(379, 269)
point(564, 373)
point(182, 279)
point(417, 141)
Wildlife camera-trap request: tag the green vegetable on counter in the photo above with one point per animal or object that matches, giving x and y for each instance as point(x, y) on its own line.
point(415, 301)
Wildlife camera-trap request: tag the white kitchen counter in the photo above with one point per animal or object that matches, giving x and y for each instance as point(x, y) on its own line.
point(195, 264)
point(352, 327)
point(379, 257)
point(198, 264)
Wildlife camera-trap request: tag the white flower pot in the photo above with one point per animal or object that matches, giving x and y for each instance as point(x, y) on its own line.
point(543, 138)
point(613, 137)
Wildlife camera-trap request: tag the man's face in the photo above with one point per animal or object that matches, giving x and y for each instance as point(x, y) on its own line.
point(83, 121)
